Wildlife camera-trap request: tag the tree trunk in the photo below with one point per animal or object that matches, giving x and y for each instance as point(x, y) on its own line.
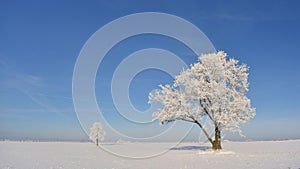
point(216, 144)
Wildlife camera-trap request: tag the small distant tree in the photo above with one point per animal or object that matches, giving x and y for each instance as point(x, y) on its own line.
point(97, 133)
point(213, 87)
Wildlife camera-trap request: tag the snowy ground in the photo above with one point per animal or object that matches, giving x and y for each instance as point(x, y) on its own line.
point(51, 155)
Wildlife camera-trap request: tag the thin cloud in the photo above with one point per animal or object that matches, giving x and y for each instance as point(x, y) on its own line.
point(35, 110)
point(31, 86)
point(228, 17)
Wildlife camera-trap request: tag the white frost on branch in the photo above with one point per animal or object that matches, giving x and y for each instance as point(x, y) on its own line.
point(214, 86)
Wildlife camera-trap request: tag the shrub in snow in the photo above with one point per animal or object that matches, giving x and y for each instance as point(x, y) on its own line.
point(97, 133)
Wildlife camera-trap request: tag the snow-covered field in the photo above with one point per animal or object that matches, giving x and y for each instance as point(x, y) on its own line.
point(72, 155)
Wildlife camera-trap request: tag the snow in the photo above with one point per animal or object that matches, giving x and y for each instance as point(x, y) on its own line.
point(189, 155)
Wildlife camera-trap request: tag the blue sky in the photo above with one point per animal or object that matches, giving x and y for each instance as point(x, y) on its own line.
point(41, 40)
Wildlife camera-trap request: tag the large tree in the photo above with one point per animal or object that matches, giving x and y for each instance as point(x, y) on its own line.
point(214, 87)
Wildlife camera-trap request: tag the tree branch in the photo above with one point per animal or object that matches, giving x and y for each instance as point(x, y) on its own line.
point(203, 129)
point(192, 121)
point(206, 111)
point(208, 100)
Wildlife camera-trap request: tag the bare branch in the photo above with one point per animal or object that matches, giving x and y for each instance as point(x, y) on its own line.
point(203, 129)
point(192, 121)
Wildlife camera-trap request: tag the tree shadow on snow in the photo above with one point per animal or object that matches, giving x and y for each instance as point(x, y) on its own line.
point(203, 148)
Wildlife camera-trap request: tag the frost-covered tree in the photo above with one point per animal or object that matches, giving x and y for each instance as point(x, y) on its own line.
point(214, 87)
point(97, 133)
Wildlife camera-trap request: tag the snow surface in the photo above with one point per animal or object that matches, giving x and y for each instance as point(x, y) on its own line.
point(72, 155)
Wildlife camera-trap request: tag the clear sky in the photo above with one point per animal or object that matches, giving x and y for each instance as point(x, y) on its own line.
point(41, 40)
